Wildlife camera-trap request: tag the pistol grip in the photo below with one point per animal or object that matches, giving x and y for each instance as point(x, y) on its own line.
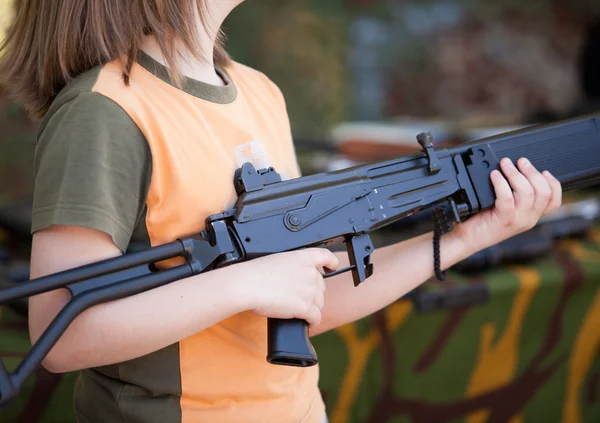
point(289, 344)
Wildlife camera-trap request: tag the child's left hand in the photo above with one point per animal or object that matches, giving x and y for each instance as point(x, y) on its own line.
point(533, 196)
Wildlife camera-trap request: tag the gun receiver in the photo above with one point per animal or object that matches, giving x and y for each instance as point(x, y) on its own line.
point(272, 216)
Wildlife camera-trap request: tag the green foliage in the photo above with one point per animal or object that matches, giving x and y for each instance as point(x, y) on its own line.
point(302, 48)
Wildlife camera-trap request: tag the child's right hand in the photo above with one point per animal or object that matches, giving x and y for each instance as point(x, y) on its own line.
point(289, 285)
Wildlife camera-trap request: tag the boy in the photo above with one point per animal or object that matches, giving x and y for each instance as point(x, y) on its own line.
point(144, 121)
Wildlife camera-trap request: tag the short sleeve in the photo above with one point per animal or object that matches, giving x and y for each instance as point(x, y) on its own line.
point(92, 169)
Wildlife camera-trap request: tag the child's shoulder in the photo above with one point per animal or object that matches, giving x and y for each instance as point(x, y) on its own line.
point(84, 123)
point(245, 74)
point(79, 97)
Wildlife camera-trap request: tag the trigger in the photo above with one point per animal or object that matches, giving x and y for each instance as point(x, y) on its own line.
point(360, 249)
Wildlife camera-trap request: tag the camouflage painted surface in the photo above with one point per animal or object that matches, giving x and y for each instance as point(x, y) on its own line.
point(528, 355)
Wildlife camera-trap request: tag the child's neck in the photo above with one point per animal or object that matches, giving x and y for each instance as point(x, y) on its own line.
point(200, 70)
point(203, 69)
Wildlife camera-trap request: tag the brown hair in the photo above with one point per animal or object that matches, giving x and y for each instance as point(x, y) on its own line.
point(52, 41)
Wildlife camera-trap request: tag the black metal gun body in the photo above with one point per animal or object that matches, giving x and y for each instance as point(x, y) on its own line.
point(273, 216)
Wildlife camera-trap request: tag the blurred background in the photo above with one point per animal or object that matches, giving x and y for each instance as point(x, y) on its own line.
point(451, 65)
point(514, 337)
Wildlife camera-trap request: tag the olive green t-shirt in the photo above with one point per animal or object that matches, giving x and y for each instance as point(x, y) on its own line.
point(92, 162)
point(148, 163)
point(92, 167)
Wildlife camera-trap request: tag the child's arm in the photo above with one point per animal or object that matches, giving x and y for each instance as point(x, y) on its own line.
point(402, 267)
point(92, 170)
point(282, 285)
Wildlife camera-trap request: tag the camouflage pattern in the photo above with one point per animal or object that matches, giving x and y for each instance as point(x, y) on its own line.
point(530, 354)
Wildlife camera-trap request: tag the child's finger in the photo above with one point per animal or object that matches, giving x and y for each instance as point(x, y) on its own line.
point(323, 258)
point(523, 191)
point(322, 285)
point(505, 201)
point(556, 195)
point(540, 185)
point(320, 300)
point(313, 317)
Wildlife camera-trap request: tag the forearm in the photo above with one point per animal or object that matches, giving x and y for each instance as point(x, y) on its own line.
point(280, 285)
point(138, 325)
point(398, 269)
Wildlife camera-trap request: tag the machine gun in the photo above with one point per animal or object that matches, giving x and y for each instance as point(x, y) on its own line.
point(273, 216)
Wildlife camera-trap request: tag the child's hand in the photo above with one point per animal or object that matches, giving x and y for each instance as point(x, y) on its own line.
point(533, 195)
point(289, 285)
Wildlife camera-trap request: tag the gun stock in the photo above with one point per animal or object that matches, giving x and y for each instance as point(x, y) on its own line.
point(319, 210)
